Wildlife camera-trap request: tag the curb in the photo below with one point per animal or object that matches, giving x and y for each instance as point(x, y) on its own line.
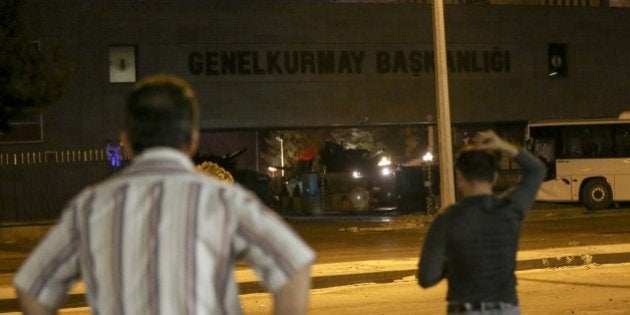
point(388, 276)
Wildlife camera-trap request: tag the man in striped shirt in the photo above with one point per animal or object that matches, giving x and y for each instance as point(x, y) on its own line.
point(160, 237)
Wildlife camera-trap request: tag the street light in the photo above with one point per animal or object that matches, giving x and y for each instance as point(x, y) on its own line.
point(428, 157)
point(281, 155)
point(273, 171)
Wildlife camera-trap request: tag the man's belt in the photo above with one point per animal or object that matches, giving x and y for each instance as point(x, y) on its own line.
point(460, 307)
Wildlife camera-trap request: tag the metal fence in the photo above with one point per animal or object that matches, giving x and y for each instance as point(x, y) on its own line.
point(35, 186)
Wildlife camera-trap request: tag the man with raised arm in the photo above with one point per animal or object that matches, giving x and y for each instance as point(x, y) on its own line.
point(473, 243)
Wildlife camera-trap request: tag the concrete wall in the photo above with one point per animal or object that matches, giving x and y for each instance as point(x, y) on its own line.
point(170, 36)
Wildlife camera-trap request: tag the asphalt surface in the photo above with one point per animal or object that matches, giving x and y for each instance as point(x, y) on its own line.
point(16, 242)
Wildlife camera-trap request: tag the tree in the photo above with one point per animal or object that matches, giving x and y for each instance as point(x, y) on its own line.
point(357, 138)
point(30, 76)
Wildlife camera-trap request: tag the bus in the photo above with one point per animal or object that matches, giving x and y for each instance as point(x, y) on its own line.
point(588, 160)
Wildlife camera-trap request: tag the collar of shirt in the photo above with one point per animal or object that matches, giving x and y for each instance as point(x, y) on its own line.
point(160, 158)
point(482, 201)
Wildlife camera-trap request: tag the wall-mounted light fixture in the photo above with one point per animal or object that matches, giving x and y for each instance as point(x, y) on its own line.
point(122, 64)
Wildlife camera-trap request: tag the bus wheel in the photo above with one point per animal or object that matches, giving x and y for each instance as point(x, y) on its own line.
point(596, 194)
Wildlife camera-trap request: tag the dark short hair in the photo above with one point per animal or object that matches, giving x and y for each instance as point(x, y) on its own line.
point(477, 165)
point(161, 110)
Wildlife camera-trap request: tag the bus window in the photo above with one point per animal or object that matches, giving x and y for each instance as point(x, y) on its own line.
point(544, 147)
point(598, 141)
point(545, 150)
point(571, 145)
point(622, 141)
point(587, 142)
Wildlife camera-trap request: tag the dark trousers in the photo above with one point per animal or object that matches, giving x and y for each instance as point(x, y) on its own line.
point(483, 308)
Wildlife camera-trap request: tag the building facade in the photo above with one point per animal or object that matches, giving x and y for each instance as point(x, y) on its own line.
point(324, 64)
point(299, 65)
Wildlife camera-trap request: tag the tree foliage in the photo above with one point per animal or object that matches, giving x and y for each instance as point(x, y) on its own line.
point(30, 76)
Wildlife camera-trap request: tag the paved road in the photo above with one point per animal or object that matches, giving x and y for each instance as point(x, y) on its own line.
point(355, 238)
point(589, 289)
point(592, 289)
point(355, 251)
point(547, 226)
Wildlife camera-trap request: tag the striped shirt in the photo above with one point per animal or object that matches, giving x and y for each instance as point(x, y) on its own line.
point(162, 238)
